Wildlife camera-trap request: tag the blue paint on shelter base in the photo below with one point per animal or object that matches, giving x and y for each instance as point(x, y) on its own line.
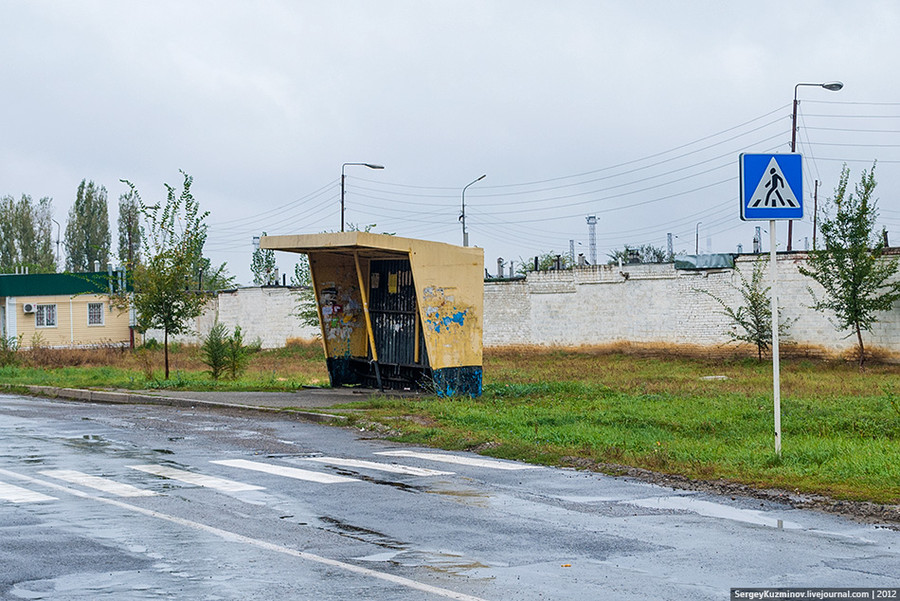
point(450, 381)
point(458, 381)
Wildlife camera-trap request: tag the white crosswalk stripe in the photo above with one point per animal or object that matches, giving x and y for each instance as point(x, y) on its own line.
point(17, 494)
point(460, 460)
point(96, 482)
point(393, 468)
point(289, 472)
point(221, 484)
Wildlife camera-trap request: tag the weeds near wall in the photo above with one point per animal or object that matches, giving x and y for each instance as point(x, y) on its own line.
point(144, 359)
point(42, 356)
point(9, 348)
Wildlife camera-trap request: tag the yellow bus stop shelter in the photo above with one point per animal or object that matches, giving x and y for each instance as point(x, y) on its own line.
point(395, 312)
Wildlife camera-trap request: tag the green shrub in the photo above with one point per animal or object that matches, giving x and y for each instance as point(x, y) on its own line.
point(236, 354)
point(8, 349)
point(151, 344)
point(215, 351)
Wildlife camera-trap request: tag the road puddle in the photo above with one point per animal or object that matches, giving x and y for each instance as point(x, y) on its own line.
point(466, 496)
point(358, 533)
point(454, 564)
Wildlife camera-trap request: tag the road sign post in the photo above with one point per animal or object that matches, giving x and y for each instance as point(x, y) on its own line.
point(772, 190)
point(776, 361)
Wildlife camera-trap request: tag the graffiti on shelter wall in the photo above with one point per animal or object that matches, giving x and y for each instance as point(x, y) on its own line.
point(441, 314)
point(340, 313)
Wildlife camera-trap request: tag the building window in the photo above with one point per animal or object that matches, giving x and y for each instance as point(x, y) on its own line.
point(45, 316)
point(95, 314)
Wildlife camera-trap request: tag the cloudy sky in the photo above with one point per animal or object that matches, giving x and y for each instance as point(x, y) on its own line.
point(635, 112)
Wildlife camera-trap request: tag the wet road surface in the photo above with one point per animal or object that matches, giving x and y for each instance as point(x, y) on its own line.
point(143, 502)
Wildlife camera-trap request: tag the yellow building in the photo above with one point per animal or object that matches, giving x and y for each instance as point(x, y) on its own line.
point(396, 312)
point(62, 310)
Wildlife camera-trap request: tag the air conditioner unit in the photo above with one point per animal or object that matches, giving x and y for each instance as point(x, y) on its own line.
point(28, 308)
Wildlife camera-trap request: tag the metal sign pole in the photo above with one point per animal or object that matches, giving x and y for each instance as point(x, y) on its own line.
point(776, 367)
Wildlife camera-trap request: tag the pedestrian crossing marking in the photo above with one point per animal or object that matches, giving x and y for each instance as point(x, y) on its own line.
point(374, 465)
point(773, 189)
point(458, 459)
point(771, 186)
point(234, 537)
point(17, 494)
point(288, 472)
point(221, 484)
point(96, 482)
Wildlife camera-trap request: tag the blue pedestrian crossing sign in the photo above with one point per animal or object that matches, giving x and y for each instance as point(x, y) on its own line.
point(771, 186)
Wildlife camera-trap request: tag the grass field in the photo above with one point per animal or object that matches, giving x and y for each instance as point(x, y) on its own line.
point(286, 368)
point(699, 418)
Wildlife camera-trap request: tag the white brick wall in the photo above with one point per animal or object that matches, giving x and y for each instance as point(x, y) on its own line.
point(596, 305)
point(657, 304)
point(263, 313)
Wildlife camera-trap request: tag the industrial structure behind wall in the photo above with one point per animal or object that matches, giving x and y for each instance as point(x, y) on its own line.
point(396, 312)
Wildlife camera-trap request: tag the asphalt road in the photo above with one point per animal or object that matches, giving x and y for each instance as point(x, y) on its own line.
point(148, 502)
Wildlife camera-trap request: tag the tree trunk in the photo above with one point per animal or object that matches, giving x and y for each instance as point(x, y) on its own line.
point(166, 350)
point(862, 349)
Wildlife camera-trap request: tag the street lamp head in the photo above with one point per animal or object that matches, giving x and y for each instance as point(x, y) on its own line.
point(373, 166)
point(834, 86)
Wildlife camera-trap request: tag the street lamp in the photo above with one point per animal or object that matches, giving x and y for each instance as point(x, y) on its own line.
point(462, 217)
point(57, 240)
point(370, 166)
point(697, 239)
point(832, 86)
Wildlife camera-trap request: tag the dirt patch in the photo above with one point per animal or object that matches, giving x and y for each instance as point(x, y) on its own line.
point(862, 511)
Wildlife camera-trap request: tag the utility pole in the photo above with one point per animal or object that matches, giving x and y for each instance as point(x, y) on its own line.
point(57, 241)
point(815, 212)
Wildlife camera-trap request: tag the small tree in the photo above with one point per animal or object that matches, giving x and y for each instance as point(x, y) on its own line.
point(305, 308)
point(215, 350)
point(858, 281)
point(236, 354)
point(262, 265)
point(752, 321)
point(165, 295)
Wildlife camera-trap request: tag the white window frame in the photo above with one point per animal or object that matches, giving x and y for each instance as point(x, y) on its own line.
point(39, 312)
point(102, 321)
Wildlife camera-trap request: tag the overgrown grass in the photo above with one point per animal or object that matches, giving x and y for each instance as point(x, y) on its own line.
point(288, 368)
point(841, 434)
point(699, 418)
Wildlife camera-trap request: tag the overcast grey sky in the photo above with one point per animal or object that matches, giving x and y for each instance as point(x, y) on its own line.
point(633, 111)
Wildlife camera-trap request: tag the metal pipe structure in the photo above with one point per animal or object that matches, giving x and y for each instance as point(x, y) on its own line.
point(370, 166)
point(832, 86)
point(462, 217)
